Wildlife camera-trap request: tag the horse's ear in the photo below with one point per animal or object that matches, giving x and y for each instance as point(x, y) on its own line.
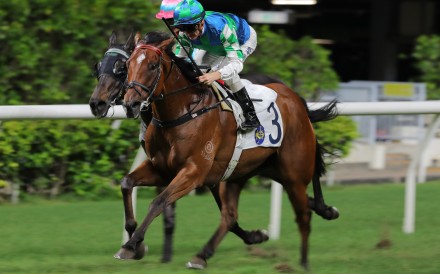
point(165, 43)
point(112, 39)
point(137, 37)
point(129, 45)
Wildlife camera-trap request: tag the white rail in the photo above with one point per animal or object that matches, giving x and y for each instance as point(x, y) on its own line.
point(83, 111)
point(33, 112)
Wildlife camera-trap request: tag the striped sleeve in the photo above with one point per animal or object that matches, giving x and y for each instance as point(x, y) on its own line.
point(230, 42)
point(186, 43)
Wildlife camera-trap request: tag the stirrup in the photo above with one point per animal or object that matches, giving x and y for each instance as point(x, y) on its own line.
point(244, 125)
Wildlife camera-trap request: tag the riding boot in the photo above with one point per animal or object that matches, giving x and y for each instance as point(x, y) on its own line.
point(246, 104)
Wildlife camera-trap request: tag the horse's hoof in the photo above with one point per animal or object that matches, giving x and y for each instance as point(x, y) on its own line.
point(126, 254)
point(333, 213)
point(256, 237)
point(197, 263)
point(264, 235)
point(166, 259)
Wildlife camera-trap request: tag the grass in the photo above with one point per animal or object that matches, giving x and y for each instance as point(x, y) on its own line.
point(81, 237)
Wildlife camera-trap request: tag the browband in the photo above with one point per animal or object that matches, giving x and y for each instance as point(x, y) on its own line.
point(119, 51)
point(153, 48)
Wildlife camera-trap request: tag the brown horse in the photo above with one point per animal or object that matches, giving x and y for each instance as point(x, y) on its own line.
point(111, 73)
point(191, 140)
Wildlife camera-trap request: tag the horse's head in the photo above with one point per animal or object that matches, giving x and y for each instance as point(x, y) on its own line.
point(147, 65)
point(111, 73)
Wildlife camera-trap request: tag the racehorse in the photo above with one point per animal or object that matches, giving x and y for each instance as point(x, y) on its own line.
point(111, 73)
point(190, 142)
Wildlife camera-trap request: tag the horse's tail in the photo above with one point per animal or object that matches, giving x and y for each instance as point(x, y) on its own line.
point(326, 113)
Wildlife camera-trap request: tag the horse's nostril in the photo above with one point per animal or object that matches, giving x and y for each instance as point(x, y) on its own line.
point(92, 107)
point(101, 104)
point(135, 105)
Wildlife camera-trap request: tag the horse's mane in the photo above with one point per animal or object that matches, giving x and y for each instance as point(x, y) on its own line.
point(156, 37)
point(187, 68)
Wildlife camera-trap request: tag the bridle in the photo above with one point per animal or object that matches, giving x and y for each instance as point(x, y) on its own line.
point(139, 88)
point(106, 67)
point(149, 90)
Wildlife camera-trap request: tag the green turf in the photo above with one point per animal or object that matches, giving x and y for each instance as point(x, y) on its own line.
point(81, 237)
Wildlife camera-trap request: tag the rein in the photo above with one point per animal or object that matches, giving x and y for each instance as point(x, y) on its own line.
point(151, 98)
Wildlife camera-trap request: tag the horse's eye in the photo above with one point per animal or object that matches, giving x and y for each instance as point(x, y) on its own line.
point(119, 71)
point(153, 66)
point(119, 68)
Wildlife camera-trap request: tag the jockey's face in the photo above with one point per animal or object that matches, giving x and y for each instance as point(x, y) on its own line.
point(192, 31)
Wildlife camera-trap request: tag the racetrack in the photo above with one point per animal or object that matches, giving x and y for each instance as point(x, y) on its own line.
point(81, 237)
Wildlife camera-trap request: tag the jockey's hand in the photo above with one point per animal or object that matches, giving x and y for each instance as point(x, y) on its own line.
point(209, 78)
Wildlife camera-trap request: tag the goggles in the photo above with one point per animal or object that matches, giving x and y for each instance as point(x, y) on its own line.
point(188, 28)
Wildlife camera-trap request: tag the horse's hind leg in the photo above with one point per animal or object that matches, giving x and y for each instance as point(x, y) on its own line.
point(229, 194)
point(168, 224)
point(296, 192)
point(248, 237)
point(317, 203)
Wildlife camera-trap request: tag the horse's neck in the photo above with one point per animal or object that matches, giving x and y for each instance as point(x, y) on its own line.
point(180, 97)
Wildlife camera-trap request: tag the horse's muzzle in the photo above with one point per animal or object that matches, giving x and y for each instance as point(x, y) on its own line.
point(132, 110)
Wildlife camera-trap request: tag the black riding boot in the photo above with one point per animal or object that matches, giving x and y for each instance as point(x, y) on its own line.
point(246, 104)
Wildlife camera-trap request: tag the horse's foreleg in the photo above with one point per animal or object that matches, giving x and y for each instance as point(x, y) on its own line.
point(134, 179)
point(127, 191)
point(185, 181)
point(248, 237)
point(229, 194)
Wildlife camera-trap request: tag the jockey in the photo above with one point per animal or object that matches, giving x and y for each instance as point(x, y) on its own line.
point(166, 11)
point(227, 39)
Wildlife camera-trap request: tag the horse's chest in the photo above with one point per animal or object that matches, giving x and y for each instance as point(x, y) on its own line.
point(167, 158)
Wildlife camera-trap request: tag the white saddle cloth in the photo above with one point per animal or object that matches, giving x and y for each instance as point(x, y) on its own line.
point(270, 133)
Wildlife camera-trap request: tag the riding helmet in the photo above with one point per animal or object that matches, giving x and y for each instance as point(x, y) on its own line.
point(188, 12)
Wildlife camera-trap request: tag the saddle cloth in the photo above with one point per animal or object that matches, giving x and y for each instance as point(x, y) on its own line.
point(270, 133)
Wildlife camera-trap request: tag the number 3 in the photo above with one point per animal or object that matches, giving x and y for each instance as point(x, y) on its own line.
point(275, 123)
